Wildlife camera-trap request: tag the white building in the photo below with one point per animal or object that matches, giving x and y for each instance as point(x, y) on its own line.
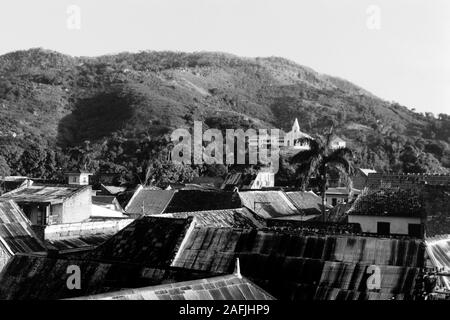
point(80, 178)
point(389, 212)
point(291, 139)
point(337, 143)
point(335, 196)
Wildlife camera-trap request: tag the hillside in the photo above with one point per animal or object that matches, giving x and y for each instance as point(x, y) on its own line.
point(52, 104)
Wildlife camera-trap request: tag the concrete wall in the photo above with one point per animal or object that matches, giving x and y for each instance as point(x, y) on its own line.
point(339, 199)
point(81, 179)
point(77, 208)
point(399, 225)
point(73, 230)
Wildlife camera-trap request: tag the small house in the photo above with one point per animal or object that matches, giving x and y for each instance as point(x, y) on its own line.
point(53, 204)
point(337, 143)
point(389, 212)
point(335, 196)
point(80, 178)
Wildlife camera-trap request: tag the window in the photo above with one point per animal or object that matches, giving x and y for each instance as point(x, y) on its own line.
point(383, 228)
point(415, 230)
point(334, 202)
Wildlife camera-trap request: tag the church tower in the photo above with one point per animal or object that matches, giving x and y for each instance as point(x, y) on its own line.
point(296, 126)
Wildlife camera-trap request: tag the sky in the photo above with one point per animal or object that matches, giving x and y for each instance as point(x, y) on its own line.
point(397, 49)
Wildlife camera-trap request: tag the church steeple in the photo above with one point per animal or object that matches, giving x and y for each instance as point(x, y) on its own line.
point(296, 126)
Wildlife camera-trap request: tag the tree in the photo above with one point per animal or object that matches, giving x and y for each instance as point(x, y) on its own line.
point(4, 168)
point(315, 163)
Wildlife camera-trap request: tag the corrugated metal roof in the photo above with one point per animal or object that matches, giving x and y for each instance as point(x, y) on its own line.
point(291, 266)
point(82, 235)
point(200, 200)
point(29, 277)
point(239, 180)
point(43, 193)
point(439, 252)
point(112, 190)
point(80, 243)
point(307, 201)
point(148, 241)
point(15, 230)
point(268, 204)
point(227, 218)
point(210, 249)
point(147, 201)
point(229, 287)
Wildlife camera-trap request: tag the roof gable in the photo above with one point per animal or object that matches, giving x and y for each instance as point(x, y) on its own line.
point(268, 204)
point(147, 201)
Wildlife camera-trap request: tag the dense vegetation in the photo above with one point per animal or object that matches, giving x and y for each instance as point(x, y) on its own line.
point(115, 113)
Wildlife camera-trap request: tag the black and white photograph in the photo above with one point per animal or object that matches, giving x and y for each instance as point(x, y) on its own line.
point(232, 155)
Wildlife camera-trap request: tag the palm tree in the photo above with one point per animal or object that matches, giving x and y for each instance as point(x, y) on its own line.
point(318, 159)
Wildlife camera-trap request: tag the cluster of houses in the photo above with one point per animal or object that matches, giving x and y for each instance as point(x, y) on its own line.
point(236, 241)
point(242, 239)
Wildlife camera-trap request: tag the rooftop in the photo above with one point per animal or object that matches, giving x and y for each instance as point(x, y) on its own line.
point(268, 204)
point(15, 230)
point(29, 277)
point(200, 200)
point(296, 267)
point(229, 287)
point(366, 172)
point(238, 180)
point(438, 250)
point(148, 241)
point(52, 194)
point(226, 218)
point(82, 235)
point(408, 181)
point(112, 190)
point(148, 201)
point(389, 202)
point(307, 201)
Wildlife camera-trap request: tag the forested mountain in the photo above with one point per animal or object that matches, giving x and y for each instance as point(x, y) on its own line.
point(113, 113)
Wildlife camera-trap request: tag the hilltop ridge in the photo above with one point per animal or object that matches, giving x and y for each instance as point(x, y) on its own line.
point(59, 102)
